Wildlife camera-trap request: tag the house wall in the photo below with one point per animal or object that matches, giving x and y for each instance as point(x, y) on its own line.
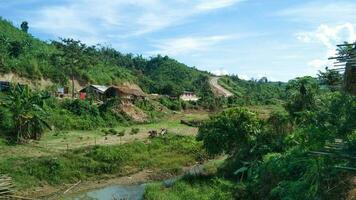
point(189, 97)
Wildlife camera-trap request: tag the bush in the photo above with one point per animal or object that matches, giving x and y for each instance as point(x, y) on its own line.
point(81, 108)
point(229, 131)
point(194, 188)
point(134, 131)
point(121, 133)
point(351, 143)
point(172, 104)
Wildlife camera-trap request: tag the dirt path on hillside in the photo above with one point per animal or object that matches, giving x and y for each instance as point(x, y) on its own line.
point(218, 89)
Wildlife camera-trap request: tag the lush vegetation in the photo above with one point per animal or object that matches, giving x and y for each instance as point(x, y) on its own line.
point(162, 155)
point(300, 151)
point(60, 61)
point(272, 159)
point(26, 114)
point(202, 188)
point(253, 92)
point(23, 114)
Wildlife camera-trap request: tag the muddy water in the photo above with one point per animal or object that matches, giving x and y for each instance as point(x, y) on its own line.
point(131, 192)
point(116, 192)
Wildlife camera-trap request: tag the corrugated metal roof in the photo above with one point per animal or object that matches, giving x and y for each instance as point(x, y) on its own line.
point(101, 88)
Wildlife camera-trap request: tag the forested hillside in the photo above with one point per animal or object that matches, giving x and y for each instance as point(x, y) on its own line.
point(58, 61)
point(254, 92)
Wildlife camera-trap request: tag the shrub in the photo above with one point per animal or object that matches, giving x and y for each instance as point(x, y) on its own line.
point(351, 143)
point(134, 131)
point(80, 108)
point(121, 133)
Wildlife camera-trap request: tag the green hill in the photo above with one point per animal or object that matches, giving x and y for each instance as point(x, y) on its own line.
point(254, 92)
point(26, 56)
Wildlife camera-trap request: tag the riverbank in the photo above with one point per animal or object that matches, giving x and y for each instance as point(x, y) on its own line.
point(163, 156)
point(136, 183)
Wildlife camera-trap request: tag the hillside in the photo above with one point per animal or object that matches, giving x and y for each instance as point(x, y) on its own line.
point(56, 61)
point(254, 92)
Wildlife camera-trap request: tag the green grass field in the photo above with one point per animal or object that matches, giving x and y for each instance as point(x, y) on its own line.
point(59, 141)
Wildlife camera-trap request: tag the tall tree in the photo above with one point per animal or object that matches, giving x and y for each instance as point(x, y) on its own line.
point(331, 78)
point(24, 26)
point(71, 56)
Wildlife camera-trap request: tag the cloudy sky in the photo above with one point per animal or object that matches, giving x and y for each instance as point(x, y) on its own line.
point(280, 39)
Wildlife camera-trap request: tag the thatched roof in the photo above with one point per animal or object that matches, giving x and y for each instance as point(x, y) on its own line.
point(124, 89)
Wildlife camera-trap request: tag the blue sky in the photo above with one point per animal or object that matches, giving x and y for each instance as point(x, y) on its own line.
point(280, 39)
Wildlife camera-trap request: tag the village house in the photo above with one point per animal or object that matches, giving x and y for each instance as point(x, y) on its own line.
point(125, 93)
point(188, 96)
point(62, 92)
point(94, 91)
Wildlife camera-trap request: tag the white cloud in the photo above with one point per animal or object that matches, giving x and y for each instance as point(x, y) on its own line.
point(220, 72)
point(184, 45)
point(329, 37)
point(215, 4)
point(96, 19)
point(319, 64)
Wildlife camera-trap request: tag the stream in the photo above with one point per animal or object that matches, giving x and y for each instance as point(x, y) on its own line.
point(128, 192)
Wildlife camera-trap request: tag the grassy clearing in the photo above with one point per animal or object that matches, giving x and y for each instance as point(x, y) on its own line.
point(57, 142)
point(264, 111)
point(161, 155)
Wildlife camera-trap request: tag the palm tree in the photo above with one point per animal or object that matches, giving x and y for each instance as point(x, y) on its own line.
point(28, 113)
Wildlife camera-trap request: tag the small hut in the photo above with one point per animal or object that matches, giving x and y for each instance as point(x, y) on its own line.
point(125, 93)
point(96, 91)
point(62, 92)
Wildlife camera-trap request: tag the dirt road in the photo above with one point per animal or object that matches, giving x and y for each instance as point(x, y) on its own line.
point(218, 89)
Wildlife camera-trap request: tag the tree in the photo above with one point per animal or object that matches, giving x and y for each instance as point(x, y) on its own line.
point(301, 94)
point(232, 132)
point(27, 113)
point(331, 78)
point(263, 80)
point(71, 55)
point(24, 26)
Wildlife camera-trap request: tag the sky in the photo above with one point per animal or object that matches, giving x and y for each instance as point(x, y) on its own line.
point(279, 39)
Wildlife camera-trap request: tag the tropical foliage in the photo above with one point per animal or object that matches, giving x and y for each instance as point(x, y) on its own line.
point(26, 110)
point(276, 159)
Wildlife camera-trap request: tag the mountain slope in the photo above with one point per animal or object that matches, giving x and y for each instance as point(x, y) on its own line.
point(58, 61)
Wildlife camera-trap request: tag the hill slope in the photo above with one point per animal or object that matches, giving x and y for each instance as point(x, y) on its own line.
point(58, 61)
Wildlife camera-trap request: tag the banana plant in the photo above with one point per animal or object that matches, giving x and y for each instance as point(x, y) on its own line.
point(28, 112)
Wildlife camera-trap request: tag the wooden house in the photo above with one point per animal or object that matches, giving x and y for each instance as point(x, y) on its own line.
point(188, 96)
point(95, 91)
point(125, 93)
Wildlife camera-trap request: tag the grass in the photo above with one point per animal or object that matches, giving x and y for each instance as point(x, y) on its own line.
point(64, 157)
point(193, 188)
point(56, 142)
point(161, 155)
point(264, 111)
